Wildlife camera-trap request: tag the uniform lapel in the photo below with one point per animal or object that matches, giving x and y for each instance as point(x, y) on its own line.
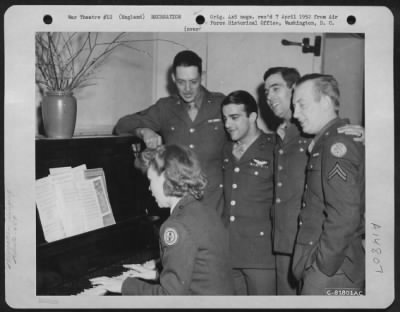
point(329, 129)
point(205, 108)
point(251, 150)
point(178, 108)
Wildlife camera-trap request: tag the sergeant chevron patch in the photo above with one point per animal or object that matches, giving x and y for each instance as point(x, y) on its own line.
point(337, 170)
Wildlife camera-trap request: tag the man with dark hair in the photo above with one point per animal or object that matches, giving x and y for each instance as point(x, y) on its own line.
point(328, 252)
point(290, 162)
point(248, 191)
point(191, 118)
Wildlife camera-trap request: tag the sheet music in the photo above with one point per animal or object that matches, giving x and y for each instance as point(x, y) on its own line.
point(92, 215)
point(68, 203)
point(46, 202)
point(96, 172)
point(73, 201)
point(79, 172)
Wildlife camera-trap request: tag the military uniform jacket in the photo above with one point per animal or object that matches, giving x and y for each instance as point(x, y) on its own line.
point(205, 135)
point(332, 217)
point(248, 191)
point(194, 251)
point(290, 162)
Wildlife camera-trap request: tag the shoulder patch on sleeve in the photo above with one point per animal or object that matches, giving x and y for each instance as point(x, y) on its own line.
point(338, 149)
point(170, 236)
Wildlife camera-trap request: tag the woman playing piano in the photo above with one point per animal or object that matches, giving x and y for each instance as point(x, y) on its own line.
point(193, 241)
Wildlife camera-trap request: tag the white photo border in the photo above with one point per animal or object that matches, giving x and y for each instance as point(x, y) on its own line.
point(19, 137)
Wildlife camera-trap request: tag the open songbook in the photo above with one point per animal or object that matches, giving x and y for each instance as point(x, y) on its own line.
point(71, 201)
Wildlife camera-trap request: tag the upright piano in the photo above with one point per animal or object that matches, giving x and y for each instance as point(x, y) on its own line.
point(65, 266)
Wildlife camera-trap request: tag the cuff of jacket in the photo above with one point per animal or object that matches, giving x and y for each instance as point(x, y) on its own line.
point(130, 286)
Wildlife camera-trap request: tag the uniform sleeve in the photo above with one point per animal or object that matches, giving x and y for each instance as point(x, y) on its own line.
point(148, 118)
point(178, 256)
point(342, 183)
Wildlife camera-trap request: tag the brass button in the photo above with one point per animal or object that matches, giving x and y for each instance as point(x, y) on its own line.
point(279, 184)
point(280, 167)
point(191, 130)
point(221, 185)
point(255, 172)
point(237, 169)
point(233, 202)
point(278, 200)
point(261, 233)
point(234, 185)
point(191, 146)
point(232, 218)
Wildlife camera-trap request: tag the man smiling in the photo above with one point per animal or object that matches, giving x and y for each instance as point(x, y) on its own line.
point(290, 162)
point(191, 118)
point(328, 252)
point(248, 191)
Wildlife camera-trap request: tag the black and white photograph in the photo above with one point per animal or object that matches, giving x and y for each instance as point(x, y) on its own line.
point(228, 157)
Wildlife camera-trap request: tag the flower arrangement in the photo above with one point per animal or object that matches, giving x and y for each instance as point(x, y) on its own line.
point(69, 61)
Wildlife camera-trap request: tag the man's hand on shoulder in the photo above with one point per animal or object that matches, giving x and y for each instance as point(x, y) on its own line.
point(357, 131)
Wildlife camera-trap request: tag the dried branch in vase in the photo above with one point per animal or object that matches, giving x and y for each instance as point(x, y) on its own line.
point(69, 61)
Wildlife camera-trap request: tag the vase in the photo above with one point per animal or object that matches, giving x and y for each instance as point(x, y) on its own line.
point(59, 114)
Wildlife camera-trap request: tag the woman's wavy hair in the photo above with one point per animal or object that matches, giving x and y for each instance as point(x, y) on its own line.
point(181, 168)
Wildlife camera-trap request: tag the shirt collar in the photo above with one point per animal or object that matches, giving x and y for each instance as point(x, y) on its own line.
point(321, 132)
point(198, 101)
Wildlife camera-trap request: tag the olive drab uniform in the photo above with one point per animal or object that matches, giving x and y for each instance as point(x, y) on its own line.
point(328, 251)
point(248, 191)
point(194, 252)
point(290, 158)
point(205, 135)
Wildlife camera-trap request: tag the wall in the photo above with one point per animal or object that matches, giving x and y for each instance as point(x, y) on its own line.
point(133, 79)
point(344, 59)
point(124, 84)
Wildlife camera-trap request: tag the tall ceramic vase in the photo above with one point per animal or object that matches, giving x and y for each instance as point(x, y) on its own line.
point(59, 114)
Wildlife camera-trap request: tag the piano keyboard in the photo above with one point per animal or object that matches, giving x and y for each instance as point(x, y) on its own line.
point(95, 291)
point(81, 286)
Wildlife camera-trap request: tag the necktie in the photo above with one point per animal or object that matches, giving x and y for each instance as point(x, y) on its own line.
point(281, 131)
point(311, 146)
point(238, 150)
point(192, 111)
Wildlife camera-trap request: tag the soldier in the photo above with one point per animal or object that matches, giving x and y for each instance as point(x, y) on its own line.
point(191, 118)
point(248, 191)
point(290, 157)
point(194, 244)
point(328, 251)
point(290, 161)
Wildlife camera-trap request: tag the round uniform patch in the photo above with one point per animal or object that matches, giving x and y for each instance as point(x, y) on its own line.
point(170, 236)
point(338, 149)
